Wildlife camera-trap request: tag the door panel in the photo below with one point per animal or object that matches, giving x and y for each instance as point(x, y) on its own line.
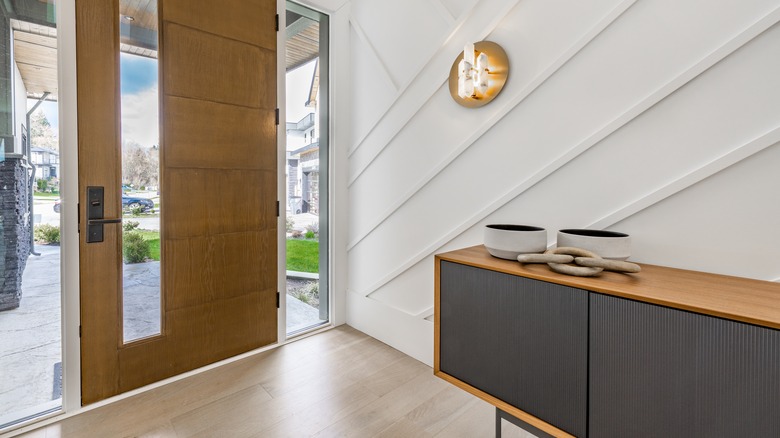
point(205, 269)
point(247, 133)
point(203, 66)
point(241, 20)
point(218, 184)
point(197, 200)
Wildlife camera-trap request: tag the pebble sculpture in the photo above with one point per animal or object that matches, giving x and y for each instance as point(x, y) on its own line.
point(578, 262)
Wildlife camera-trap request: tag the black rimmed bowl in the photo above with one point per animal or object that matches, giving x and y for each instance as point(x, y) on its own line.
point(608, 244)
point(507, 241)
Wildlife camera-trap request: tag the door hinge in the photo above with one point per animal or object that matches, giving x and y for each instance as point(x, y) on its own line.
point(78, 217)
point(278, 297)
point(277, 22)
point(79, 331)
point(277, 208)
point(277, 116)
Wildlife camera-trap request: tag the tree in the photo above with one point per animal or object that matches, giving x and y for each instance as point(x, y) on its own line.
point(41, 133)
point(140, 165)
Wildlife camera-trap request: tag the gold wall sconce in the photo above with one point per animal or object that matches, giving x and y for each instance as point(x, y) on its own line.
point(478, 74)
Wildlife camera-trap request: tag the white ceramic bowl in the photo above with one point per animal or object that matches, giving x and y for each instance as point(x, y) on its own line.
point(508, 241)
point(608, 244)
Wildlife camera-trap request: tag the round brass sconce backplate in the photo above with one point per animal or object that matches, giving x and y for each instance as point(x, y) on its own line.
point(498, 72)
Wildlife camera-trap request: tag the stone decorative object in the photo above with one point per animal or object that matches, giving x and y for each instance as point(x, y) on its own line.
point(608, 265)
point(545, 258)
point(608, 244)
point(585, 263)
point(579, 271)
point(507, 241)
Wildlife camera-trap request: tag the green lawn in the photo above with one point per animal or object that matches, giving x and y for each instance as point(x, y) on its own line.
point(153, 237)
point(303, 255)
point(46, 195)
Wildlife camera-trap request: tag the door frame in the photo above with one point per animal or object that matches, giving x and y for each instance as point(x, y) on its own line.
point(69, 268)
point(69, 235)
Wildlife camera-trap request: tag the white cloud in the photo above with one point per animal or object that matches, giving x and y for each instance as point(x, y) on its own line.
point(140, 117)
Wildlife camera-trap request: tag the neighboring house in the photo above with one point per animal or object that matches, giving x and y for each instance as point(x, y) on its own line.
point(303, 167)
point(47, 163)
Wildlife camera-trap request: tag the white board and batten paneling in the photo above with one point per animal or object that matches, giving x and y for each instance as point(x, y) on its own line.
point(658, 118)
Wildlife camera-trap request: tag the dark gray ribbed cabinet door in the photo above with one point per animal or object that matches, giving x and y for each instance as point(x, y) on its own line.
point(661, 372)
point(520, 340)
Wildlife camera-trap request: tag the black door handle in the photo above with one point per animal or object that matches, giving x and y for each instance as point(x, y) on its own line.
point(95, 220)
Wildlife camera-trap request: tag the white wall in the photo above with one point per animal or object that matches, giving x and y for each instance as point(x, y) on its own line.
point(658, 118)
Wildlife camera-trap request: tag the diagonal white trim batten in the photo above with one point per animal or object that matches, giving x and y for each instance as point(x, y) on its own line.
point(372, 50)
point(716, 165)
point(540, 79)
point(425, 313)
point(445, 13)
point(438, 66)
point(691, 73)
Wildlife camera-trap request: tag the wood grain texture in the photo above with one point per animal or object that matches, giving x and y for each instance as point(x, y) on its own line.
point(135, 359)
point(97, 42)
point(204, 134)
point(741, 299)
point(324, 379)
point(223, 328)
point(249, 21)
point(203, 66)
point(219, 220)
point(206, 269)
point(201, 202)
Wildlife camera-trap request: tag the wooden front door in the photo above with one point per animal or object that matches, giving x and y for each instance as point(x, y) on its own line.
point(218, 180)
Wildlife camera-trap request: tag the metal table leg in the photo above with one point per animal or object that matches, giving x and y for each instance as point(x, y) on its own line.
point(519, 423)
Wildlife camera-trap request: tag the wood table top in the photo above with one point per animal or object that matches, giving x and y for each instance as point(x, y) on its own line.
point(740, 299)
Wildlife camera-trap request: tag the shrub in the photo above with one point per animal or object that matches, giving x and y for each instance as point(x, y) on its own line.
point(42, 185)
point(136, 211)
point(130, 226)
point(134, 248)
point(314, 227)
point(310, 234)
point(290, 224)
point(309, 294)
point(45, 233)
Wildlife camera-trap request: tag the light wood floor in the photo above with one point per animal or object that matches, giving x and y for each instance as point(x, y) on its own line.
point(340, 383)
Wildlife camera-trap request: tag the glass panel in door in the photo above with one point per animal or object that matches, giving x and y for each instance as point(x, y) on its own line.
point(141, 249)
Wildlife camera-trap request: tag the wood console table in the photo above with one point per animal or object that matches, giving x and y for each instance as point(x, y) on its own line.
point(665, 352)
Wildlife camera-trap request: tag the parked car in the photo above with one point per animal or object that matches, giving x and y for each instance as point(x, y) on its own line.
point(133, 202)
point(128, 202)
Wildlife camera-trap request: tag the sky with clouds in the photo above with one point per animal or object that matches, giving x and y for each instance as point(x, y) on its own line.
point(140, 104)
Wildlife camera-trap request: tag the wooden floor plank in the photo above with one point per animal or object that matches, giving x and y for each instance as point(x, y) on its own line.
point(337, 383)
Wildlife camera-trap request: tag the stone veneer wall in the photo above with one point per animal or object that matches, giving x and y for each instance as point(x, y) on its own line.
point(15, 225)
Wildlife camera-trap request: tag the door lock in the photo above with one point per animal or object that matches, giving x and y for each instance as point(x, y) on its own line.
point(95, 219)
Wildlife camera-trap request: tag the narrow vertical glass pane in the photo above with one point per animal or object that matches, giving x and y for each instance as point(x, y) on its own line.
point(30, 293)
point(140, 169)
point(306, 170)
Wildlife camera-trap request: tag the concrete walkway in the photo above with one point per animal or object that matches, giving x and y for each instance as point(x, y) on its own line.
point(30, 336)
